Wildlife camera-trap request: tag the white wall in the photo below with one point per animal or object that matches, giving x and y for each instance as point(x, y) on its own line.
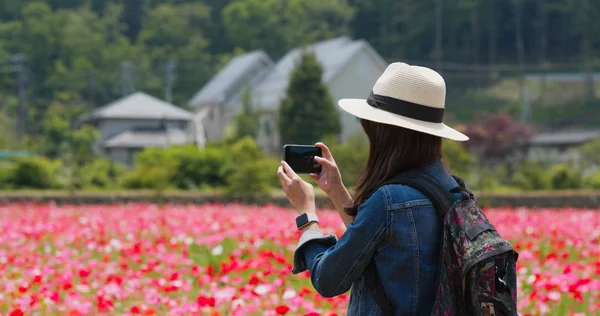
point(355, 80)
point(111, 128)
point(214, 122)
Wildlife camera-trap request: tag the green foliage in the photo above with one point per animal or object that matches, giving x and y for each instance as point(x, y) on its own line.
point(241, 167)
point(592, 181)
point(307, 113)
point(252, 178)
point(280, 25)
point(61, 139)
point(485, 179)
point(100, 174)
point(590, 153)
point(33, 173)
point(154, 169)
point(532, 176)
point(350, 156)
point(197, 168)
point(565, 176)
point(459, 160)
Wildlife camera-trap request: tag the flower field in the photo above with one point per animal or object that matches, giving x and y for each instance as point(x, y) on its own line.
point(143, 259)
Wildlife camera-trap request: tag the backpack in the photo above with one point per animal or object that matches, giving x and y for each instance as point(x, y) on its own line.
point(477, 267)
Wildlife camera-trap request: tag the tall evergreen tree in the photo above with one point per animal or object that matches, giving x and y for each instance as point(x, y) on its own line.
point(307, 114)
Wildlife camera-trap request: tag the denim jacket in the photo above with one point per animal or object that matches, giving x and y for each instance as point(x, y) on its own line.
point(400, 229)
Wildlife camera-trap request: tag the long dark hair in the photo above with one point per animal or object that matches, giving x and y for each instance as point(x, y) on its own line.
point(392, 150)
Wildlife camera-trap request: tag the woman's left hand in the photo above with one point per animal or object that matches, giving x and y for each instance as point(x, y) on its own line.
point(300, 193)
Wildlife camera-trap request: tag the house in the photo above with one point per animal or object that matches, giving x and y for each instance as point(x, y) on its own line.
point(350, 68)
point(555, 147)
point(138, 121)
point(220, 99)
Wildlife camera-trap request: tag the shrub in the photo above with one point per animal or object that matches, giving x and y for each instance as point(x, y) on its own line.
point(154, 169)
point(565, 176)
point(34, 173)
point(592, 181)
point(532, 176)
point(197, 168)
point(100, 174)
point(252, 178)
point(238, 154)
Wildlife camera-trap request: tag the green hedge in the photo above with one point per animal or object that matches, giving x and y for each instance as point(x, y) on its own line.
point(240, 168)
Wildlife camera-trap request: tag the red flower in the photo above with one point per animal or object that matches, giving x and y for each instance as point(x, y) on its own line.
point(54, 297)
point(253, 280)
point(84, 273)
point(135, 310)
point(23, 288)
point(206, 301)
point(312, 314)
point(16, 312)
point(282, 310)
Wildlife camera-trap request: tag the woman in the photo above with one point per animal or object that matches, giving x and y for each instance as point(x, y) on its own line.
point(394, 226)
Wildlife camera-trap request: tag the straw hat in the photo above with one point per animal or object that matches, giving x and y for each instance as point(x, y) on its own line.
point(408, 96)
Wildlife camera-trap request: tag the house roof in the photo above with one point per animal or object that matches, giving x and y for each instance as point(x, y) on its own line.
point(142, 138)
point(564, 138)
point(225, 84)
point(332, 54)
point(139, 106)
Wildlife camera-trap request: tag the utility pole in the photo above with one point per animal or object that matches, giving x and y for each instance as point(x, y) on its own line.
point(170, 80)
point(127, 86)
point(439, 9)
point(18, 62)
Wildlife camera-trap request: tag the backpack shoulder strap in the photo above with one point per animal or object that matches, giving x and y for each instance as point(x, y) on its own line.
point(441, 197)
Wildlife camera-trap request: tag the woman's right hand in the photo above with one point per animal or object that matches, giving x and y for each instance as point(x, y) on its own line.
point(330, 178)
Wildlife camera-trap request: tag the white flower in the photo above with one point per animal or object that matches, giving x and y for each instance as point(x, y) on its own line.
point(115, 243)
point(289, 294)
point(261, 289)
point(530, 279)
point(555, 296)
point(217, 251)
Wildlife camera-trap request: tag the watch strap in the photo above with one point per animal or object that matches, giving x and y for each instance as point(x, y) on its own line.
point(311, 218)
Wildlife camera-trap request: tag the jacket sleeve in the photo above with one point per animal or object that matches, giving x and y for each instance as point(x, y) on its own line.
point(335, 265)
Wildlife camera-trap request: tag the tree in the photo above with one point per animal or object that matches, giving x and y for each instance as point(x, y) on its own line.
point(496, 135)
point(307, 113)
point(248, 120)
point(277, 26)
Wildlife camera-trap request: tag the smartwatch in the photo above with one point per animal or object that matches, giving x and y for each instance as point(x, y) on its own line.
point(305, 219)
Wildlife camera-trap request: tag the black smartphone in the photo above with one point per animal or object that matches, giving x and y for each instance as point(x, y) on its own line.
point(301, 158)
